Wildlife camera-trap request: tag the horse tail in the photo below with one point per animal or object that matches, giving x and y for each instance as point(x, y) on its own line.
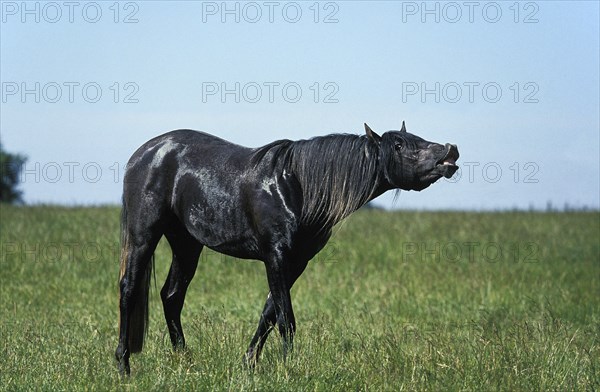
point(138, 314)
point(124, 242)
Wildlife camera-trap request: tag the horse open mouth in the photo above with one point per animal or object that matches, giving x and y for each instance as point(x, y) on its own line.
point(448, 162)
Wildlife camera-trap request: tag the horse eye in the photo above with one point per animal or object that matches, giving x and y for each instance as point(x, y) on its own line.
point(398, 146)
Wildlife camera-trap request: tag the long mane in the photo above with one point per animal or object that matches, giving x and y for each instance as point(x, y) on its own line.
point(338, 174)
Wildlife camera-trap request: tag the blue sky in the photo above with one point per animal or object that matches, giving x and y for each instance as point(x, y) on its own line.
point(514, 85)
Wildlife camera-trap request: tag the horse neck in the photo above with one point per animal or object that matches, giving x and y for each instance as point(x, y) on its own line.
point(348, 181)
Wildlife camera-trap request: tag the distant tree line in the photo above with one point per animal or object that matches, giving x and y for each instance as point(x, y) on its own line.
point(10, 167)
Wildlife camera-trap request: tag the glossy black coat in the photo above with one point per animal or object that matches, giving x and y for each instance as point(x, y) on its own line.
point(276, 203)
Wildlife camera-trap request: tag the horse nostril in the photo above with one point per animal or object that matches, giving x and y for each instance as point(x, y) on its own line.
point(452, 150)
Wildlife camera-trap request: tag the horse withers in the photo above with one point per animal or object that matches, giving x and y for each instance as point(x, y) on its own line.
point(277, 203)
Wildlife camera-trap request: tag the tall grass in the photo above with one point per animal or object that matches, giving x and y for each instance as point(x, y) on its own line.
point(396, 301)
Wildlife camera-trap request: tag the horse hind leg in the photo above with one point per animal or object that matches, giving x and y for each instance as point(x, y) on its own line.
point(265, 325)
point(134, 285)
point(186, 251)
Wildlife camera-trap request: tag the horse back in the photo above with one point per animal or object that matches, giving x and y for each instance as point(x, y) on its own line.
point(227, 196)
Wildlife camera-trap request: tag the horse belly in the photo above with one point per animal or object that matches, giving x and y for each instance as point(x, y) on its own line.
point(213, 214)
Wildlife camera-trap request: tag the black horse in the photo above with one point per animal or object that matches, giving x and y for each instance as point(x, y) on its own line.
point(277, 203)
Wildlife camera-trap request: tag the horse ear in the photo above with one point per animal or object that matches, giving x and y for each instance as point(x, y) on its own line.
point(372, 135)
point(403, 129)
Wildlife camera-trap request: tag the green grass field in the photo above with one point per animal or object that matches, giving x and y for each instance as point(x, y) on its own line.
point(396, 301)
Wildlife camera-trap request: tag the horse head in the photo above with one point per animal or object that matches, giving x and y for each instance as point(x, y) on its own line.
point(410, 162)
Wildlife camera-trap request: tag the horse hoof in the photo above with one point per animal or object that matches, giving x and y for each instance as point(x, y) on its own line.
point(179, 344)
point(124, 370)
point(249, 360)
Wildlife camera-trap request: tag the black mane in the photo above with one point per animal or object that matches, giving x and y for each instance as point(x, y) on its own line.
point(337, 173)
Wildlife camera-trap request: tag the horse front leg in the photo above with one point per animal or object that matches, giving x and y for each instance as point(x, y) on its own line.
point(268, 317)
point(280, 294)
